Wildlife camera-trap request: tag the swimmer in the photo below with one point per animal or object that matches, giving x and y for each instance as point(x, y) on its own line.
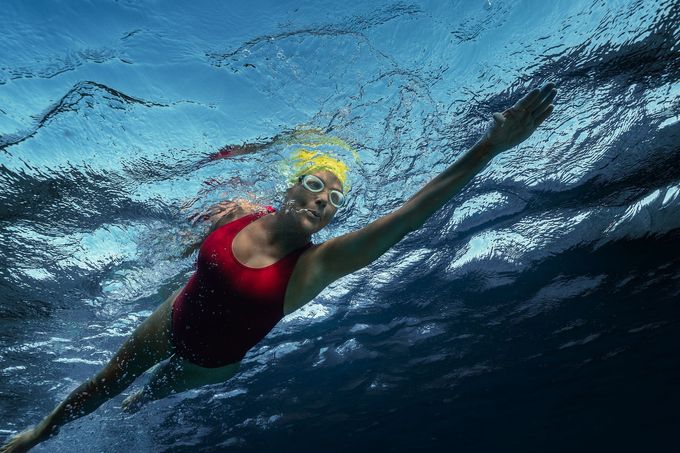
point(258, 265)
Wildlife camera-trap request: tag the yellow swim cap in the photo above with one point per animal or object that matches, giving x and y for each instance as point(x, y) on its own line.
point(304, 161)
point(314, 151)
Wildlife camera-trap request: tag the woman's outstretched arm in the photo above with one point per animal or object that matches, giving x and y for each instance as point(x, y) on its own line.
point(353, 251)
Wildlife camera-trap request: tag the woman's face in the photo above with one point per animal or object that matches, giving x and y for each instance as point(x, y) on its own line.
point(313, 209)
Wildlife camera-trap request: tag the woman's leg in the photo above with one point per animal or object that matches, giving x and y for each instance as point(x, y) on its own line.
point(175, 376)
point(149, 344)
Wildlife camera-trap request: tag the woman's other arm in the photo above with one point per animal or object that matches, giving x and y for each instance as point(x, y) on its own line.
point(353, 251)
point(218, 215)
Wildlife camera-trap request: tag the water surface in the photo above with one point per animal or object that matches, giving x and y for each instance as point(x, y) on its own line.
point(536, 311)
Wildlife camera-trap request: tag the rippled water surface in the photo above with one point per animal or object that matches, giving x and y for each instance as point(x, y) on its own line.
point(538, 310)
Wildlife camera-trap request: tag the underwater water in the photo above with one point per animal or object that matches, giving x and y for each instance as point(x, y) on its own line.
point(538, 310)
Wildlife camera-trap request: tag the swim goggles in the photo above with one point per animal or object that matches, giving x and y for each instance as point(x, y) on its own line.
point(316, 185)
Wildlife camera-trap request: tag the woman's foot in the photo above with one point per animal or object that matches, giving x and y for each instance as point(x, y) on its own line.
point(23, 441)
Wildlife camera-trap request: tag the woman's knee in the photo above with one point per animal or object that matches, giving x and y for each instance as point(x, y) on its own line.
point(112, 379)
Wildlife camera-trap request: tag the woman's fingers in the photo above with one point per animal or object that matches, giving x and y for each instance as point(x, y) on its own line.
point(534, 98)
point(546, 91)
point(546, 113)
point(516, 124)
point(545, 102)
point(527, 100)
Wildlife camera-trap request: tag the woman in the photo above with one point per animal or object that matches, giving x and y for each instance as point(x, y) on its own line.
point(256, 267)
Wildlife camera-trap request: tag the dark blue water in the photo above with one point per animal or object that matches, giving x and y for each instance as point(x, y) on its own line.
point(537, 311)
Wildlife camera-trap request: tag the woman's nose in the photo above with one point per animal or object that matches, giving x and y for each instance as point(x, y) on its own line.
point(322, 197)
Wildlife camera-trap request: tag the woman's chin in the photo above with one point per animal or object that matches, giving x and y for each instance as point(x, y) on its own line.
point(307, 224)
point(311, 226)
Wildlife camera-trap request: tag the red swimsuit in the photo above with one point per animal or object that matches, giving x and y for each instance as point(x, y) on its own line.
point(226, 307)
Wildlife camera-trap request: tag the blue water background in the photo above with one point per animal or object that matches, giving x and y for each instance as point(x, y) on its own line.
point(537, 311)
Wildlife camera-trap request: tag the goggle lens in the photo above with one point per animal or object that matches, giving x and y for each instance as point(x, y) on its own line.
point(337, 198)
point(314, 184)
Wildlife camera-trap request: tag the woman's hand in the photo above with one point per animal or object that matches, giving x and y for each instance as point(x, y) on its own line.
point(214, 213)
point(216, 216)
point(517, 123)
